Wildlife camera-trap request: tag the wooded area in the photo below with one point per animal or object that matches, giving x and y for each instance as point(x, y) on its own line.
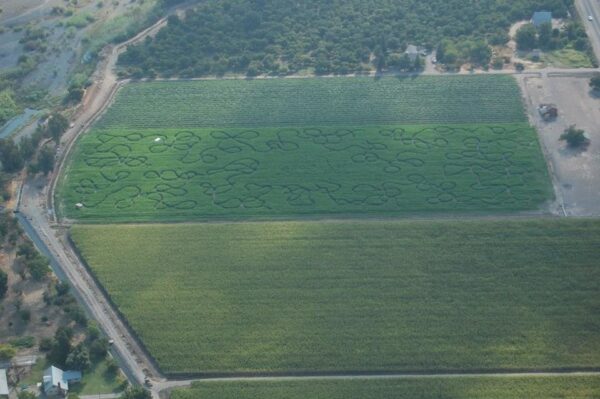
point(340, 36)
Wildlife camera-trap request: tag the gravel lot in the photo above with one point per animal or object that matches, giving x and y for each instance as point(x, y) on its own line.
point(576, 173)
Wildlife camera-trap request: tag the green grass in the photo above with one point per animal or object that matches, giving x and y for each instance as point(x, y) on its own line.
point(316, 102)
point(568, 58)
point(347, 296)
point(126, 175)
point(430, 388)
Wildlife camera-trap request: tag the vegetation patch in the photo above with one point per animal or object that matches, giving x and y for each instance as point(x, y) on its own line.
point(286, 36)
point(262, 153)
point(231, 173)
point(350, 296)
point(316, 102)
point(425, 388)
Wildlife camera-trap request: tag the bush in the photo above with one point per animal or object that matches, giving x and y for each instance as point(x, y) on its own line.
point(45, 344)
point(574, 137)
point(23, 342)
point(7, 351)
point(25, 315)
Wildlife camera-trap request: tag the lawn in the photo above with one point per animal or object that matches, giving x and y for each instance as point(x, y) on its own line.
point(351, 296)
point(170, 174)
point(316, 102)
point(429, 388)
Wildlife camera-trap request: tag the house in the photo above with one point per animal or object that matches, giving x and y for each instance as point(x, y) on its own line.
point(541, 17)
point(3, 384)
point(56, 382)
point(412, 51)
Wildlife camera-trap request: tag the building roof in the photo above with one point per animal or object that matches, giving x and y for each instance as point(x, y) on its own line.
point(412, 49)
point(53, 376)
point(541, 17)
point(3, 383)
point(71, 375)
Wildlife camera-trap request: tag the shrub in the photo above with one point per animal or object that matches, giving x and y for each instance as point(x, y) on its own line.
point(574, 137)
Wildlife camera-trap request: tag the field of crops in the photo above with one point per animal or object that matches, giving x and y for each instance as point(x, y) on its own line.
point(169, 174)
point(316, 102)
point(428, 388)
point(346, 296)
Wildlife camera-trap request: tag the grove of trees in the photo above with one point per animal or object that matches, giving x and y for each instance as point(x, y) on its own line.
point(544, 37)
point(326, 36)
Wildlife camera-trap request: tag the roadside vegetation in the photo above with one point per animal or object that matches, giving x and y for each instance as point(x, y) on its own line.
point(347, 296)
point(426, 388)
point(286, 37)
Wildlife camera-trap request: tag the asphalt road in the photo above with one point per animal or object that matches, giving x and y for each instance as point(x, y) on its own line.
point(591, 8)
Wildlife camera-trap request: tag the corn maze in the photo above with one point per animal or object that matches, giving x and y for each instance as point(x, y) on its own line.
point(206, 173)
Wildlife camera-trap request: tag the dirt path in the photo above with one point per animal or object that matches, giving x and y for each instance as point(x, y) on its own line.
point(165, 387)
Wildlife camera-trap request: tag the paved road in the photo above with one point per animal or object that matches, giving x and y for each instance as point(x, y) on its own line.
point(587, 8)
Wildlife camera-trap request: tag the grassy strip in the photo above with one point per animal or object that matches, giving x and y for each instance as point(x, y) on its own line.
point(430, 388)
point(347, 296)
point(168, 174)
point(317, 102)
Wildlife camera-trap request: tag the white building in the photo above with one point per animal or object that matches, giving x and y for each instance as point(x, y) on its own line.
point(56, 382)
point(3, 384)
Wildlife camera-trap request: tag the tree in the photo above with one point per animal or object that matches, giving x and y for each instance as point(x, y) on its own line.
point(526, 37)
point(545, 36)
point(574, 137)
point(78, 359)
point(57, 125)
point(480, 53)
point(61, 346)
point(12, 161)
point(45, 163)
point(136, 393)
point(3, 283)
point(99, 348)
point(595, 82)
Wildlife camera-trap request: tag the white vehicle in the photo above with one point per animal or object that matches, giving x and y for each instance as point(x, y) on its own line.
point(590, 18)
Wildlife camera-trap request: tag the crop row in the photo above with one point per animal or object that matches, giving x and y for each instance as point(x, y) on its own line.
point(203, 173)
point(325, 101)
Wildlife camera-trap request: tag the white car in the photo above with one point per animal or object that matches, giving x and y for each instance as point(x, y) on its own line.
point(590, 18)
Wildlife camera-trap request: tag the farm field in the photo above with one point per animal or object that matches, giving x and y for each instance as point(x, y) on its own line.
point(428, 388)
point(352, 296)
point(236, 149)
point(168, 174)
point(316, 102)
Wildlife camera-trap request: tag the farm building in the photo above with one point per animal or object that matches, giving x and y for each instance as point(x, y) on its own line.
point(56, 382)
point(541, 17)
point(412, 51)
point(3, 384)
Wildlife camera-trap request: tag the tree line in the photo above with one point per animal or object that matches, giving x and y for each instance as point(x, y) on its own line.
point(324, 36)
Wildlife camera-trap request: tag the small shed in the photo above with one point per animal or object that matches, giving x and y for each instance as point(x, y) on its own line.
point(541, 17)
point(412, 51)
point(3, 384)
